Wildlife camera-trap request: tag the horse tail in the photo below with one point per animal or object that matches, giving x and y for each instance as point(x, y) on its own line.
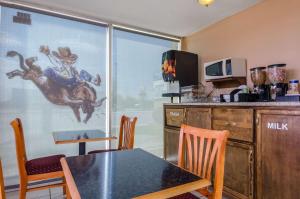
point(21, 59)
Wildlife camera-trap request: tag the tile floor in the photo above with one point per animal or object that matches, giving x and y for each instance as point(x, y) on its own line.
point(54, 193)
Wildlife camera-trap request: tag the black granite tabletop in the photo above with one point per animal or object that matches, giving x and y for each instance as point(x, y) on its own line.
point(80, 135)
point(124, 174)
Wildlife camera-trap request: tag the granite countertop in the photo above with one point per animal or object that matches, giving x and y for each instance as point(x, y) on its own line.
point(125, 174)
point(248, 104)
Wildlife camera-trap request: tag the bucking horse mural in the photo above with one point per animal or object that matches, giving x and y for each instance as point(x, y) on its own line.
point(61, 83)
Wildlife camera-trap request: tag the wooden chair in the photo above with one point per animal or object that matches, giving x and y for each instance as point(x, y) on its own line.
point(2, 190)
point(202, 149)
point(126, 135)
point(36, 169)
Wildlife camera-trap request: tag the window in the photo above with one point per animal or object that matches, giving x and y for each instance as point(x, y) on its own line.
point(137, 84)
point(55, 70)
point(53, 48)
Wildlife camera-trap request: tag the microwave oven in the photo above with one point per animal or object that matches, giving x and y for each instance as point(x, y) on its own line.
point(225, 68)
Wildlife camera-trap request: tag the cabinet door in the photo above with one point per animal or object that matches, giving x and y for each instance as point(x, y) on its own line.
point(238, 174)
point(278, 154)
point(199, 117)
point(171, 139)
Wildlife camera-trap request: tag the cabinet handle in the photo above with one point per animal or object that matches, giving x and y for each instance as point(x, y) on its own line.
point(233, 123)
point(257, 121)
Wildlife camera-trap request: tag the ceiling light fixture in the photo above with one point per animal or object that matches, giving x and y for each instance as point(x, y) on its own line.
point(205, 2)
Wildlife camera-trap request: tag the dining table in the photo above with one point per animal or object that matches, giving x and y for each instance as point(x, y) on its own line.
point(81, 137)
point(127, 174)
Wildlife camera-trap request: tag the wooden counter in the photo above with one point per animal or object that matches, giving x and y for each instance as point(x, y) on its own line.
point(239, 104)
point(261, 154)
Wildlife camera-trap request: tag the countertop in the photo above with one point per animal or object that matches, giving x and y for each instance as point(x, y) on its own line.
point(245, 104)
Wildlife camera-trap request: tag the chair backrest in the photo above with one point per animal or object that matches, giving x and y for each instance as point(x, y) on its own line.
point(203, 149)
point(127, 129)
point(2, 191)
point(20, 146)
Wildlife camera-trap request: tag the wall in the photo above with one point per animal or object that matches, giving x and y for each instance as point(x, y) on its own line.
point(264, 34)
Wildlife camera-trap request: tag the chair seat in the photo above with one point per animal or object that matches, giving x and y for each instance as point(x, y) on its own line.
point(185, 196)
point(44, 165)
point(102, 151)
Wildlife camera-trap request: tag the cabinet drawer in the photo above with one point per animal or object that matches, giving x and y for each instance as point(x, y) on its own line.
point(198, 117)
point(174, 116)
point(239, 168)
point(238, 121)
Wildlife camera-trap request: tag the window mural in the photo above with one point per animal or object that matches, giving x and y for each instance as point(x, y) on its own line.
point(53, 77)
point(61, 84)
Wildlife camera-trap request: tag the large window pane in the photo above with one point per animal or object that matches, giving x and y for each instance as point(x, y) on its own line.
point(137, 84)
point(66, 58)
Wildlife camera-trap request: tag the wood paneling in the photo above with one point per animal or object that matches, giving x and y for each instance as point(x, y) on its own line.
point(239, 168)
point(278, 141)
point(239, 122)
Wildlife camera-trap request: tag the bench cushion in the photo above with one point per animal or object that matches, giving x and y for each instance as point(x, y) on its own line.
point(44, 165)
point(185, 196)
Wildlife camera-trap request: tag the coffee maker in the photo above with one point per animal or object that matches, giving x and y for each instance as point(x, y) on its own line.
point(258, 78)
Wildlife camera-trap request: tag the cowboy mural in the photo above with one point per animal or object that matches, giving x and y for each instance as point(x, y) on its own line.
point(61, 83)
point(64, 71)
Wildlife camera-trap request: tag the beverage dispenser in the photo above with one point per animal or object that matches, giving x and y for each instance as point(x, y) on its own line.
point(179, 69)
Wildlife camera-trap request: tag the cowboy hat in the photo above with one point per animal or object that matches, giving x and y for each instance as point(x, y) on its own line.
point(65, 55)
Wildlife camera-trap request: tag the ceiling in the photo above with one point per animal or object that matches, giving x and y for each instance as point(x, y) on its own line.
point(174, 17)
